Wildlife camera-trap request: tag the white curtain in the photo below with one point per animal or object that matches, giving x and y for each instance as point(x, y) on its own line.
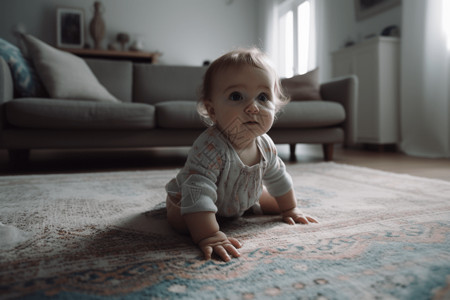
point(267, 26)
point(425, 79)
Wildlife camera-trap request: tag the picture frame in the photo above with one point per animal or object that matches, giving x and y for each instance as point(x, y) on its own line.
point(70, 27)
point(367, 8)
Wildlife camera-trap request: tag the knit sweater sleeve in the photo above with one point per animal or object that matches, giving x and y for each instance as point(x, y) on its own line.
point(276, 178)
point(201, 172)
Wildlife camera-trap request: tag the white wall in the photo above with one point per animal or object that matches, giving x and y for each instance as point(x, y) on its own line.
point(337, 25)
point(187, 32)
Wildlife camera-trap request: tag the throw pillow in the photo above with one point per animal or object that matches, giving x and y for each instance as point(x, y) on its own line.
point(26, 81)
point(303, 87)
point(65, 75)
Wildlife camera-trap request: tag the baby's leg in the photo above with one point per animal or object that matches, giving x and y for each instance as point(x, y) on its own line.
point(269, 205)
point(174, 216)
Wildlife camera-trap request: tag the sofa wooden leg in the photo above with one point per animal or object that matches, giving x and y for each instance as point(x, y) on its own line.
point(328, 151)
point(292, 157)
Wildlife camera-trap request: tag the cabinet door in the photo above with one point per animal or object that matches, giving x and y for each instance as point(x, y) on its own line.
point(375, 63)
point(366, 68)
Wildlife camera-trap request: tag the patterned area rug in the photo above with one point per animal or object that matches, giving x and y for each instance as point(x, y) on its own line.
point(102, 235)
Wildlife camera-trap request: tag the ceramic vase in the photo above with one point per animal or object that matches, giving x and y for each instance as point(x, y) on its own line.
point(97, 26)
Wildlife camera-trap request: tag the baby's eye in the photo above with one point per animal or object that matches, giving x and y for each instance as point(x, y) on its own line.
point(263, 97)
point(235, 96)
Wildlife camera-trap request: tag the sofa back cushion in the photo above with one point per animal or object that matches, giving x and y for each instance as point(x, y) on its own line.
point(157, 83)
point(64, 75)
point(26, 81)
point(116, 76)
point(303, 87)
point(178, 115)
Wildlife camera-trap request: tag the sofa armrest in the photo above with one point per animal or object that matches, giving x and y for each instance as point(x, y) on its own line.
point(6, 83)
point(6, 89)
point(345, 91)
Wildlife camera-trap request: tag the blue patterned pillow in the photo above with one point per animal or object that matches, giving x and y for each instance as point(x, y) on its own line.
point(26, 81)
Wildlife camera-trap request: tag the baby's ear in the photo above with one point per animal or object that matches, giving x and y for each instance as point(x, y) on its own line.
point(210, 110)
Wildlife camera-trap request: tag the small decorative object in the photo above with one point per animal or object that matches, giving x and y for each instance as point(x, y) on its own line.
point(97, 27)
point(70, 28)
point(349, 42)
point(392, 30)
point(112, 47)
point(123, 39)
point(137, 45)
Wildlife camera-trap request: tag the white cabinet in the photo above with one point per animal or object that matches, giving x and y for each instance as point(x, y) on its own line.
point(376, 64)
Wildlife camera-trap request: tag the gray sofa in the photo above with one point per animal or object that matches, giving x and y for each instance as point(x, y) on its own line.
point(158, 109)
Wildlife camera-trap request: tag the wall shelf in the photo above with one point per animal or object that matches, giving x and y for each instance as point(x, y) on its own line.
point(135, 56)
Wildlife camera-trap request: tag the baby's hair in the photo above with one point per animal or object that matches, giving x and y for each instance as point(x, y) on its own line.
point(238, 58)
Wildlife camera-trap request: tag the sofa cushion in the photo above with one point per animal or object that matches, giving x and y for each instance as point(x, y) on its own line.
point(64, 75)
point(40, 113)
point(26, 81)
point(115, 75)
point(178, 114)
point(303, 87)
point(156, 83)
point(310, 114)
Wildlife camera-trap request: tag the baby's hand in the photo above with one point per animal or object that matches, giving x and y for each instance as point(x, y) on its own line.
point(295, 215)
point(220, 244)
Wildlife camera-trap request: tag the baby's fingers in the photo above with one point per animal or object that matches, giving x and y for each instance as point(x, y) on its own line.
point(312, 220)
point(305, 219)
point(232, 250)
point(219, 250)
point(302, 220)
point(224, 250)
point(289, 220)
point(207, 250)
point(235, 242)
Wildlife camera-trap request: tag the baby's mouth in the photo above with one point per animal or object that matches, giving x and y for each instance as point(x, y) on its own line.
point(251, 123)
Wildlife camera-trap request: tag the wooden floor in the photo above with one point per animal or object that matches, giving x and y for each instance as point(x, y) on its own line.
point(77, 161)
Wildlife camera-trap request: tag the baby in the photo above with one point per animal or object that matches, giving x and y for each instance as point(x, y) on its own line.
point(233, 166)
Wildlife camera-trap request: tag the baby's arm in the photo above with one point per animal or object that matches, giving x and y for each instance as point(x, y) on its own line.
point(205, 232)
point(289, 210)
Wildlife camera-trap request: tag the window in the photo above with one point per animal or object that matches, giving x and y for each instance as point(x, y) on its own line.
point(446, 21)
point(296, 39)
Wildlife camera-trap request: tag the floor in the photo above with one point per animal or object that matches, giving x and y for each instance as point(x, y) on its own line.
point(78, 161)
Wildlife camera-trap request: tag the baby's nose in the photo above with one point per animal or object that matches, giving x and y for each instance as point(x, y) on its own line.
point(252, 108)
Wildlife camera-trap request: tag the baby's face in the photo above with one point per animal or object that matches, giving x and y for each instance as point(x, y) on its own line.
point(242, 103)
